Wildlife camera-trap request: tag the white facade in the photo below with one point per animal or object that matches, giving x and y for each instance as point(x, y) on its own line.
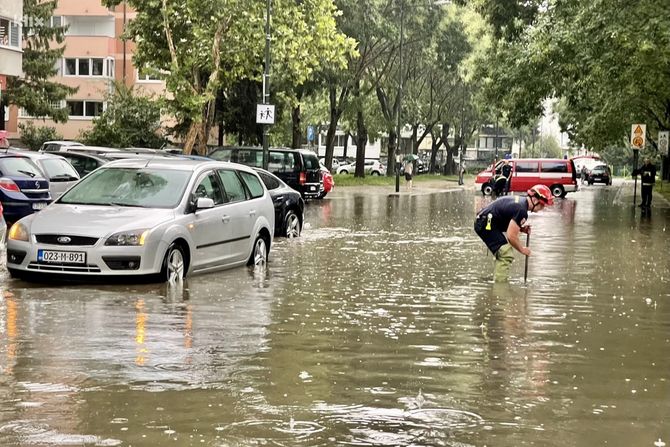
point(11, 54)
point(342, 140)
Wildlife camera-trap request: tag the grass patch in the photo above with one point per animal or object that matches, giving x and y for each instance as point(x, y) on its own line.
point(664, 189)
point(376, 180)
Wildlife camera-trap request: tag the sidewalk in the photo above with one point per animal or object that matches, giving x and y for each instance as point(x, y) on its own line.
point(626, 189)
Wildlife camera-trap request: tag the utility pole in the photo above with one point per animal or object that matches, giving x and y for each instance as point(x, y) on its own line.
point(400, 86)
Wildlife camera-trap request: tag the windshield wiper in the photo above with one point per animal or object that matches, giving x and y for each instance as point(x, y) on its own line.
point(28, 173)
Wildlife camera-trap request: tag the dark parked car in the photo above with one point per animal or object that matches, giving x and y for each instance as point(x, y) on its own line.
point(84, 163)
point(289, 205)
point(600, 174)
point(23, 188)
point(298, 168)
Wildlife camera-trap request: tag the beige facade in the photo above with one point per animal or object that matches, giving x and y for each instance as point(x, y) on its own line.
point(95, 57)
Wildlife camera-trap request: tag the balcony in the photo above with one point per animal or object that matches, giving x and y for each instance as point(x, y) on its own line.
point(82, 8)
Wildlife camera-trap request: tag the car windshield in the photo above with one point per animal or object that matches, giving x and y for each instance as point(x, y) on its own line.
point(599, 169)
point(140, 187)
point(19, 167)
point(58, 168)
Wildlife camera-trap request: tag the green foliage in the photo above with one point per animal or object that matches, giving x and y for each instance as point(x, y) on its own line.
point(129, 121)
point(33, 137)
point(35, 92)
point(544, 147)
point(207, 46)
point(606, 60)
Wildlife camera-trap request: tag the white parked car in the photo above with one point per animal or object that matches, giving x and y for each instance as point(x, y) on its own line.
point(158, 219)
point(372, 167)
point(54, 146)
point(60, 173)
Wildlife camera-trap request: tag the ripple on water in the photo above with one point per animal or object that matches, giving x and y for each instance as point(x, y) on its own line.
point(35, 433)
point(271, 430)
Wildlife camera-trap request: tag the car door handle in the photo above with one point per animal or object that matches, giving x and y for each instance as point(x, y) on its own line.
point(225, 219)
point(252, 213)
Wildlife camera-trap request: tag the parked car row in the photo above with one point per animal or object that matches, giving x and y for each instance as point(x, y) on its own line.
point(130, 212)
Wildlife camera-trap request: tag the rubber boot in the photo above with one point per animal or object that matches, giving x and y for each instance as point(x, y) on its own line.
point(504, 259)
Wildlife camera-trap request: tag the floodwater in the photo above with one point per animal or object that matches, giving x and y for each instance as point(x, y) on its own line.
point(379, 327)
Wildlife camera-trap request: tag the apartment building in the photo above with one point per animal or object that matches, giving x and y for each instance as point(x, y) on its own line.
point(95, 57)
point(11, 13)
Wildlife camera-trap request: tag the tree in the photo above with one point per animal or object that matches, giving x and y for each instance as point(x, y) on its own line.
point(35, 91)
point(129, 121)
point(33, 137)
point(206, 46)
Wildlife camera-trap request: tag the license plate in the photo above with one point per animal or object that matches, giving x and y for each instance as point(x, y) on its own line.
point(61, 257)
point(39, 206)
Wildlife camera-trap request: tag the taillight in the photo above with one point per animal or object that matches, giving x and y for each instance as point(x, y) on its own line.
point(8, 185)
point(303, 178)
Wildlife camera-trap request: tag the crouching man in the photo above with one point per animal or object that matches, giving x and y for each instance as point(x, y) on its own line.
point(500, 223)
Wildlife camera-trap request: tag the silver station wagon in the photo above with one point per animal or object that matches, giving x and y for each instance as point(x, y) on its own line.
point(159, 219)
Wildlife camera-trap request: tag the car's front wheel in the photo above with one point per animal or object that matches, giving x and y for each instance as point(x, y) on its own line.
point(174, 265)
point(259, 254)
point(291, 225)
point(487, 189)
point(375, 173)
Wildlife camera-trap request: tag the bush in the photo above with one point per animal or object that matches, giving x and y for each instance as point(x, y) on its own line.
point(33, 137)
point(129, 121)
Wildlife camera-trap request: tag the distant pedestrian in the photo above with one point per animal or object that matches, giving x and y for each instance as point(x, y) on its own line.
point(461, 173)
point(4, 143)
point(500, 223)
point(506, 171)
point(409, 169)
point(584, 173)
point(648, 173)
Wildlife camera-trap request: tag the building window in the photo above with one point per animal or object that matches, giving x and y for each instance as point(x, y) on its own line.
point(10, 34)
point(97, 67)
point(56, 21)
point(89, 67)
point(85, 109)
point(149, 75)
point(110, 68)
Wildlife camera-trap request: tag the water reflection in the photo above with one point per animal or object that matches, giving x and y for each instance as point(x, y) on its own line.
point(380, 326)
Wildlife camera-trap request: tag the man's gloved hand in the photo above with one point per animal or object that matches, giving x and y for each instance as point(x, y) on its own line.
point(525, 229)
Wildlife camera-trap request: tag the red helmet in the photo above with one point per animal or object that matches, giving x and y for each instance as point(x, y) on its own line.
point(543, 193)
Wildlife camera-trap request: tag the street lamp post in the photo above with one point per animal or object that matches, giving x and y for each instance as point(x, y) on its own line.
point(266, 84)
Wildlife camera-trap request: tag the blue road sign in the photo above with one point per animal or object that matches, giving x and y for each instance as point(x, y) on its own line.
point(310, 133)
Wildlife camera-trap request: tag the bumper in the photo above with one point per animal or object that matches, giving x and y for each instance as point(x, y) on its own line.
point(14, 211)
point(310, 190)
point(99, 262)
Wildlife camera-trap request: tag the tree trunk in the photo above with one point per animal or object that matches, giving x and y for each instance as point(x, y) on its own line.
point(415, 139)
point(296, 140)
point(434, 146)
point(361, 138)
point(335, 114)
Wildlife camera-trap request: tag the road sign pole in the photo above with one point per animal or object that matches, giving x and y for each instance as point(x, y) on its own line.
point(636, 154)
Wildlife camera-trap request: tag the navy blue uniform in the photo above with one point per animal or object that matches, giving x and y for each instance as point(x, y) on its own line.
point(648, 173)
point(493, 220)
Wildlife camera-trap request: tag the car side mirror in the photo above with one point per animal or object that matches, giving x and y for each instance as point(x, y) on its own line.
point(204, 203)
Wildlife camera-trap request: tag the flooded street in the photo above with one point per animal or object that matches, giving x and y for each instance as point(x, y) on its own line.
point(380, 326)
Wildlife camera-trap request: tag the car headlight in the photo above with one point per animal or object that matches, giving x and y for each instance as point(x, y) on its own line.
point(128, 238)
point(19, 232)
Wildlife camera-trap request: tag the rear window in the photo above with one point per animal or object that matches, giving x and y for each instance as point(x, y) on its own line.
point(222, 154)
point(19, 167)
point(270, 181)
point(527, 166)
point(311, 162)
point(282, 162)
point(254, 185)
point(59, 168)
point(554, 166)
